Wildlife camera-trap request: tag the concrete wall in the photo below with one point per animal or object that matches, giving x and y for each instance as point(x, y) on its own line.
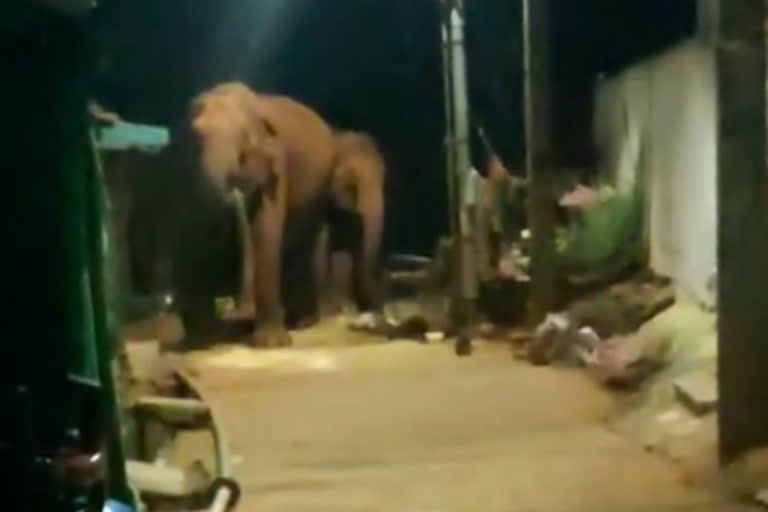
point(655, 127)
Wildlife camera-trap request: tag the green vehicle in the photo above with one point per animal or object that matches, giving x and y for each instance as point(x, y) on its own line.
point(64, 433)
point(61, 435)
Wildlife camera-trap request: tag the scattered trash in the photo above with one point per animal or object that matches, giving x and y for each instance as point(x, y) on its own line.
point(549, 339)
point(585, 345)
point(599, 332)
point(366, 321)
point(622, 308)
point(513, 264)
point(414, 327)
point(589, 335)
point(435, 336)
point(584, 355)
point(624, 361)
point(620, 361)
point(697, 392)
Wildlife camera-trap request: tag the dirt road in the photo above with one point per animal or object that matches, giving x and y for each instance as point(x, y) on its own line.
point(412, 428)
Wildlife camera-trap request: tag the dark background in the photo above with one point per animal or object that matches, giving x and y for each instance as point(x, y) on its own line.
point(376, 65)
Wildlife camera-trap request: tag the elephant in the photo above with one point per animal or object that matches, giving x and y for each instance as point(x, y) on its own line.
point(355, 219)
point(281, 155)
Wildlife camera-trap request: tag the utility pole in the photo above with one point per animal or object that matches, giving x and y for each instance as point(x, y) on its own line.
point(743, 225)
point(538, 142)
point(459, 166)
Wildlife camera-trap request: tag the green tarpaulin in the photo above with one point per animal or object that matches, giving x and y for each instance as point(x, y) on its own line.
point(607, 235)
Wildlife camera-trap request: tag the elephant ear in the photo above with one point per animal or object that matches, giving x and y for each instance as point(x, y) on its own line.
point(346, 190)
point(258, 154)
point(268, 129)
point(257, 130)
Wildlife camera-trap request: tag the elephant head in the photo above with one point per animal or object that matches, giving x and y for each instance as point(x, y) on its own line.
point(236, 142)
point(358, 187)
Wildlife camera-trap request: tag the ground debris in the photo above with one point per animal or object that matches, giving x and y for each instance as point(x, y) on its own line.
point(623, 307)
point(625, 361)
point(168, 481)
point(151, 370)
point(414, 327)
point(698, 392)
point(598, 332)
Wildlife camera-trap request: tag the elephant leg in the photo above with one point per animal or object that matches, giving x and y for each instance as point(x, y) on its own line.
point(267, 236)
point(371, 213)
point(321, 263)
point(344, 238)
point(245, 293)
point(348, 234)
point(198, 317)
point(326, 290)
point(365, 290)
point(341, 269)
point(194, 289)
point(299, 294)
point(309, 265)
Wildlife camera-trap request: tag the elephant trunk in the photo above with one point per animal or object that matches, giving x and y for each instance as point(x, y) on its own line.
point(372, 217)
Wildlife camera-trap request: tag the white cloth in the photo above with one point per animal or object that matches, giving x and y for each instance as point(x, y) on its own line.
point(655, 126)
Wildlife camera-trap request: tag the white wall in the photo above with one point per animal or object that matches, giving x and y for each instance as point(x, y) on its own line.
point(655, 126)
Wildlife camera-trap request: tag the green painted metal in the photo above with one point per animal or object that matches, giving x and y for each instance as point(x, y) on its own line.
point(90, 277)
point(124, 136)
point(104, 305)
point(63, 323)
point(608, 235)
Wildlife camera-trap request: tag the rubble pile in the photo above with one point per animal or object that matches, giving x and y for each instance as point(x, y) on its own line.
point(600, 332)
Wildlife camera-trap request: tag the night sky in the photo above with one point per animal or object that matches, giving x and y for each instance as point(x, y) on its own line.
point(375, 65)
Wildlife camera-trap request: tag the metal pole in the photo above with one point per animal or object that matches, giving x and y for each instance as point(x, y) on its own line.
point(221, 500)
point(101, 277)
point(445, 14)
point(742, 226)
point(541, 211)
point(457, 157)
point(467, 273)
